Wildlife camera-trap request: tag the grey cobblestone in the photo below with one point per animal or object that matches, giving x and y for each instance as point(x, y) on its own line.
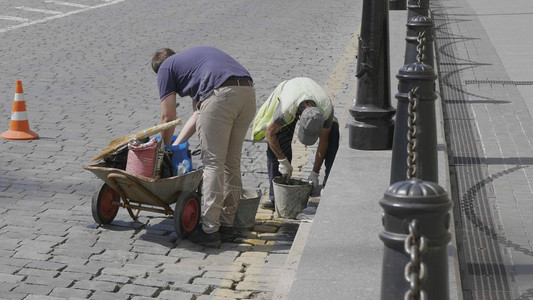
point(36, 272)
point(70, 293)
point(113, 278)
point(190, 288)
point(49, 281)
point(10, 278)
point(139, 290)
point(100, 295)
point(214, 282)
point(96, 285)
point(33, 289)
point(75, 275)
point(176, 295)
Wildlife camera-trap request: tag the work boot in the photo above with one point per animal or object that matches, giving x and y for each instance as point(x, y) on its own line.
point(268, 204)
point(226, 233)
point(198, 236)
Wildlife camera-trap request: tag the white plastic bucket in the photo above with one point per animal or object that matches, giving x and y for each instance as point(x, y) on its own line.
point(247, 209)
point(291, 198)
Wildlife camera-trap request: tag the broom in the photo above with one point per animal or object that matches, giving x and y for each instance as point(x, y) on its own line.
point(121, 141)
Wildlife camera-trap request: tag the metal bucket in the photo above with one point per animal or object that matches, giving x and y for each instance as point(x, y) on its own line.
point(291, 197)
point(247, 209)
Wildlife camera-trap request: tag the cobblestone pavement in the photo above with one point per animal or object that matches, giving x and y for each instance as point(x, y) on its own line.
point(87, 80)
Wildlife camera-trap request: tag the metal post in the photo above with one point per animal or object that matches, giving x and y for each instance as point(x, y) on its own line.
point(419, 27)
point(397, 4)
point(416, 223)
point(417, 8)
point(422, 77)
point(418, 72)
point(372, 128)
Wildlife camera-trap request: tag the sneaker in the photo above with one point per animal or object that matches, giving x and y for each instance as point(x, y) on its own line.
point(198, 236)
point(226, 233)
point(268, 204)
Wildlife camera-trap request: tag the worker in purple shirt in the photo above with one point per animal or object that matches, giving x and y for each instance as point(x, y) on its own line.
point(223, 101)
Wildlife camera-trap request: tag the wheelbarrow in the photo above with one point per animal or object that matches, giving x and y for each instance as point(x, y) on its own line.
point(137, 193)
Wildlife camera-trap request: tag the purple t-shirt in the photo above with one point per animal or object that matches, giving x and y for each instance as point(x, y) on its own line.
point(196, 72)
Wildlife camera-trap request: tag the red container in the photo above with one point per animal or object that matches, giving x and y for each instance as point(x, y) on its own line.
point(142, 158)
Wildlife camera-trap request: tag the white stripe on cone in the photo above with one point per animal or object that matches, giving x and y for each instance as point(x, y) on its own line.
point(19, 116)
point(19, 97)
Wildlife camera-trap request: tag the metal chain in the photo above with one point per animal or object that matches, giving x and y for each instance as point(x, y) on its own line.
point(421, 48)
point(415, 271)
point(412, 132)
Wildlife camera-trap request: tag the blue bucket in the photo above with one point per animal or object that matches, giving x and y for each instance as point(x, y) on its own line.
point(180, 154)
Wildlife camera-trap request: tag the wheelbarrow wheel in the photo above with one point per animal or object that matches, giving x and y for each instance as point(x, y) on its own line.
point(187, 213)
point(105, 204)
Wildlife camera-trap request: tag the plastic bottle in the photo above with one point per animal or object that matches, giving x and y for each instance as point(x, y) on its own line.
point(182, 167)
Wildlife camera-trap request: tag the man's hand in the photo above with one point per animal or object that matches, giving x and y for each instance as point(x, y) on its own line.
point(285, 167)
point(313, 178)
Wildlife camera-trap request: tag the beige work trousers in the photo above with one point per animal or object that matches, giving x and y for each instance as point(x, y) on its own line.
point(223, 121)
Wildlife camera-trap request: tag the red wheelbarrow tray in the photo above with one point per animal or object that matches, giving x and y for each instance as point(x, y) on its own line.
point(144, 190)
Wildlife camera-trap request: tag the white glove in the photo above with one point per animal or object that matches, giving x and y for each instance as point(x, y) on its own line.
point(313, 178)
point(285, 167)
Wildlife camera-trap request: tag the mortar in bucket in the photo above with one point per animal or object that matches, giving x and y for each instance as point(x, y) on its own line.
point(247, 209)
point(291, 196)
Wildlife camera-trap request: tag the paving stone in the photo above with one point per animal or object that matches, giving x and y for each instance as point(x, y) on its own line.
point(156, 258)
point(265, 228)
point(255, 286)
point(114, 255)
point(190, 288)
point(235, 267)
point(101, 295)
point(49, 281)
point(7, 286)
point(227, 293)
point(16, 296)
point(214, 282)
point(84, 268)
point(96, 285)
point(140, 290)
point(154, 282)
point(75, 275)
point(124, 272)
point(33, 289)
point(113, 278)
point(46, 265)
point(234, 276)
point(70, 293)
point(176, 295)
point(37, 272)
point(9, 278)
point(30, 255)
point(269, 279)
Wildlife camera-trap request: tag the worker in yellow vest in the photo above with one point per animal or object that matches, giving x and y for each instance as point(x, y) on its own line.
point(298, 99)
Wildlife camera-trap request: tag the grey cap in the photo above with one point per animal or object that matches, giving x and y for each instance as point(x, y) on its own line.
point(311, 121)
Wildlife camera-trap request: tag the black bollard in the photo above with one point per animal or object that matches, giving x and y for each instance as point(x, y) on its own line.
point(419, 30)
point(417, 8)
point(416, 223)
point(417, 73)
point(397, 4)
point(421, 77)
point(372, 128)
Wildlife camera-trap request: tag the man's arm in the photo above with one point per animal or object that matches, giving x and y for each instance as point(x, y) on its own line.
point(168, 113)
point(272, 139)
point(189, 128)
point(323, 141)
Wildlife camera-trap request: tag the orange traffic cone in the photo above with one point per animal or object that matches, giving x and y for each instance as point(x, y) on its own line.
point(19, 128)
